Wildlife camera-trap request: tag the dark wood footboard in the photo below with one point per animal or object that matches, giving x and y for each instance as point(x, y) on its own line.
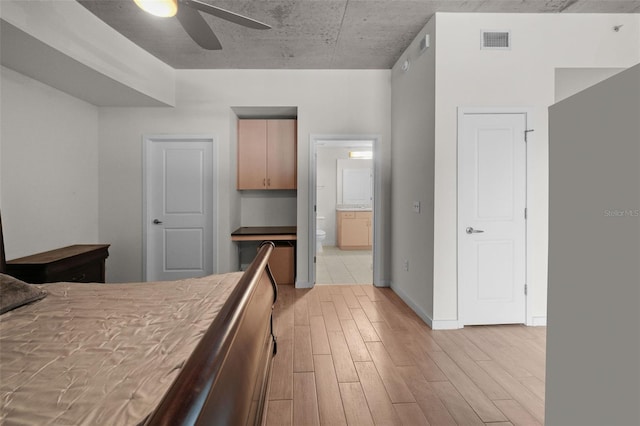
point(224, 382)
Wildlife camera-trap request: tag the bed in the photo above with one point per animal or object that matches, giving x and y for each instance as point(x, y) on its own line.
point(195, 351)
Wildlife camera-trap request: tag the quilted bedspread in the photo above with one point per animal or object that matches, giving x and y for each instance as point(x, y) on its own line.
point(102, 353)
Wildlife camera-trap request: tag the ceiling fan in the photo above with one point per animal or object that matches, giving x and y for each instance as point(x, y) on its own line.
point(187, 12)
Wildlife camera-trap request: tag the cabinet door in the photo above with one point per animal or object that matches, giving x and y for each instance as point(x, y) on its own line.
point(355, 232)
point(281, 154)
point(252, 154)
point(368, 216)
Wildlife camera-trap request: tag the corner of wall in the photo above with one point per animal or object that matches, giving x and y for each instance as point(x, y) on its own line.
point(413, 135)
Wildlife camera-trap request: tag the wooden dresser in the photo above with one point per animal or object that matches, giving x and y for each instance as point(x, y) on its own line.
point(78, 263)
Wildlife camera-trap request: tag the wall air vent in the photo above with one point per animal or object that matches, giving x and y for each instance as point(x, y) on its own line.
point(496, 40)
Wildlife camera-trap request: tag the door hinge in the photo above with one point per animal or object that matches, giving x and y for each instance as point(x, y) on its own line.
point(525, 213)
point(314, 259)
point(525, 289)
point(315, 208)
point(526, 133)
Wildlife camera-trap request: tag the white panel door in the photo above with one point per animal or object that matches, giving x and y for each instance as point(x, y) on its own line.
point(491, 218)
point(179, 217)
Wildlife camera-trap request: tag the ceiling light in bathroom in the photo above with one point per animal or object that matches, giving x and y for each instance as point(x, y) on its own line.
point(361, 154)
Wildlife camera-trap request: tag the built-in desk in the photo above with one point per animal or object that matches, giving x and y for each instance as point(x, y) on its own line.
point(264, 233)
point(283, 259)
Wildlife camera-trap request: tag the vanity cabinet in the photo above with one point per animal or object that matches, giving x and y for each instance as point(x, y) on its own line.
point(267, 154)
point(354, 230)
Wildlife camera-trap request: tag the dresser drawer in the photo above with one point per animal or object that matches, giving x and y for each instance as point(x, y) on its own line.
point(89, 273)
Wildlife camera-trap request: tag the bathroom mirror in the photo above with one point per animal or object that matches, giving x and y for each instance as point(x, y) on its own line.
point(354, 182)
point(356, 186)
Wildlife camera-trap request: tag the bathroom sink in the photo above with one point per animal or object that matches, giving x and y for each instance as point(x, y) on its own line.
point(352, 208)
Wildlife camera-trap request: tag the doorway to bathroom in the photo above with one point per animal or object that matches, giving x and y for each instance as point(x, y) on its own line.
point(343, 196)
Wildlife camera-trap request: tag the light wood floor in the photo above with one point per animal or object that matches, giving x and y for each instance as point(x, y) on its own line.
point(358, 355)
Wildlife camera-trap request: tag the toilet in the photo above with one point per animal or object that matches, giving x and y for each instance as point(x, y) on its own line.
point(320, 233)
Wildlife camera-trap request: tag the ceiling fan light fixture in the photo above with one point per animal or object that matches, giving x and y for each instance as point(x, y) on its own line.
point(161, 8)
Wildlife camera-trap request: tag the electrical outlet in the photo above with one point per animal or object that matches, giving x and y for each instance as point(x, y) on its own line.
point(406, 265)
point(416, 206)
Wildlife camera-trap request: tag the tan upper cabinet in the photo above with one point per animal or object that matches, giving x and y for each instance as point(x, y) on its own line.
point(252, 154)
point(267, 154)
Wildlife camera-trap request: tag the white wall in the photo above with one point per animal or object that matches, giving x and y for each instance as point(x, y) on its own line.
point(454, 73)
point(73, 50)
point(593, 339)
point(328, 101)
point(326, 191)
point(523, 76)
point(234, 198)
point(413, 129)
point(569, 81)
point(270, 208)
point(49, 169)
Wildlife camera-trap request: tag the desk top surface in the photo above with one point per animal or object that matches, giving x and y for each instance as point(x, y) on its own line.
point(264, 230)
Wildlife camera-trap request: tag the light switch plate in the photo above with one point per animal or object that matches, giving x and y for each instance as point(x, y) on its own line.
point(416, 206)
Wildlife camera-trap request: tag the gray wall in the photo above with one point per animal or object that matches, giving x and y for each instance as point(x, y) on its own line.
point(412, 162)
point(593, 344)
point(569, 81)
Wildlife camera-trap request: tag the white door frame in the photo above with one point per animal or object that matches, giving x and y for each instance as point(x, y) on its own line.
point(377, 200)
point(529, 235)
point(147, 141)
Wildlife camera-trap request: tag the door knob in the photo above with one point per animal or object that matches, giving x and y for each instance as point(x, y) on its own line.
point(157, 222)
point(470, 230)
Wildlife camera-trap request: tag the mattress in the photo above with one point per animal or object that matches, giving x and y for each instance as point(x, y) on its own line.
point(102, 353)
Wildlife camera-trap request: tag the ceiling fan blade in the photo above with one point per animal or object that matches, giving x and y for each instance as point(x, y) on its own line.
point(225, 14)
point(197, 28)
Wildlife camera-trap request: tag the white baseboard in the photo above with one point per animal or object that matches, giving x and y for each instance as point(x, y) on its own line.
point(539, 321)
point(303, 284)
point(434, 325)
point(446, 325)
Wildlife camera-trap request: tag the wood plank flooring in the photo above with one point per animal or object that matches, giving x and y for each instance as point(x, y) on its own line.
point(357, 355)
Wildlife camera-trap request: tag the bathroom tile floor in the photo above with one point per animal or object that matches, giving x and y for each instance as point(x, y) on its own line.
point(335, 266)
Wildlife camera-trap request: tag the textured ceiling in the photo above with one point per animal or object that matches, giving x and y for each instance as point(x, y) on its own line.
point(313, 34)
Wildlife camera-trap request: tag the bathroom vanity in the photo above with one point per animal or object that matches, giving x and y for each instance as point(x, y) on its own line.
point(354, 228)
